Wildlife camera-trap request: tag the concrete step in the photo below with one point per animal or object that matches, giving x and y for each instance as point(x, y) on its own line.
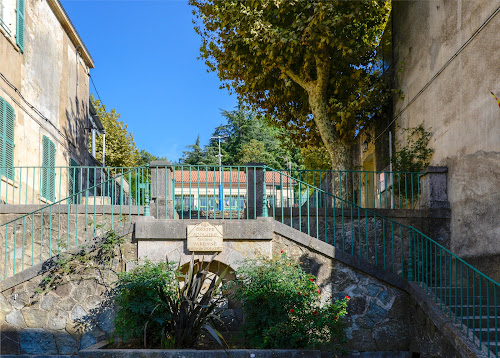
point(377, 355)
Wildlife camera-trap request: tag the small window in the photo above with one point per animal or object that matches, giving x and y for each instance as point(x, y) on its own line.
point(7, 16)
point(7, 119)
point(48, 169)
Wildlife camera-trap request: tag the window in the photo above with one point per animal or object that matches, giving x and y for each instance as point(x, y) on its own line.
point(7, 118)
point(7, 18)
point(184, 202)
point(48, 169)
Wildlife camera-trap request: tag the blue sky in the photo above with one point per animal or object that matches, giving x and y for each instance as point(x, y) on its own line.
point(146, 67)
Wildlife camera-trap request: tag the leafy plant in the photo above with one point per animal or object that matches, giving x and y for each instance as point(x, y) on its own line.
point(413, 157)
point(137, 297)
point(282, 309)
point(165, 308)
point(193, 305)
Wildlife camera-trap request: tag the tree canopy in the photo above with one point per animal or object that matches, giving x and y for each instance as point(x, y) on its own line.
point(121, 150)
point(247, 138)
point(309, 65)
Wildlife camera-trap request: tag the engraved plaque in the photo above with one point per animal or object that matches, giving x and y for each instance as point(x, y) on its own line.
point(204, 237)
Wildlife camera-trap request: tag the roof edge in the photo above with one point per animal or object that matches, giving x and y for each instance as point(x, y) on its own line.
point(70, 29)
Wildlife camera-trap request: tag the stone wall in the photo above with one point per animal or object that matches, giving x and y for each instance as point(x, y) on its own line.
point(74, 315)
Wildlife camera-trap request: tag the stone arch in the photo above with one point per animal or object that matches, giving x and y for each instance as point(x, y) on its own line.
point(177, 253)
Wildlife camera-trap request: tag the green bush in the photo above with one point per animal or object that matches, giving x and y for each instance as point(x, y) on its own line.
point(137, 297)
point(162, 307)
point(282, 309)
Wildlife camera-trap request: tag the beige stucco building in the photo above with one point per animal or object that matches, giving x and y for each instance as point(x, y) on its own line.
point(44, 90)
point(447, 59)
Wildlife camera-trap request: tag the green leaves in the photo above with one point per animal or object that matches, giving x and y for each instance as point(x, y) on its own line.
point(275, 53)
point(166, 308)
point(282, 306)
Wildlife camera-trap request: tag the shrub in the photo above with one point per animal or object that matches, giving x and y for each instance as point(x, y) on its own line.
point(163, 308)
point(137, 296)
point(282, 309)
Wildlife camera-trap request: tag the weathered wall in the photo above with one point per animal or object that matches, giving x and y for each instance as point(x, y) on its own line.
point(52, 77)
point(73, 316)
point(457, 107)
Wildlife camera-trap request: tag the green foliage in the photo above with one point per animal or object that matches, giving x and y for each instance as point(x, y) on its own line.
point(414, 155)
point(165, 308)
point(137, 296)
point(67, 265)
point(121, 150)
point(311, 66)
point(282, 306)
point(248, 138)
point(194, 155)
point(146, 158)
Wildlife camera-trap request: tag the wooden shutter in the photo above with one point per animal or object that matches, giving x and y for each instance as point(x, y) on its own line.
point(7, 121)
point(48, 169)
point(9, 141)
point(20, 25)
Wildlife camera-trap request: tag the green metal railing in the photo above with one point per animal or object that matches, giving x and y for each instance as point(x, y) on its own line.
point(466, 295)
point(43, 185)
point(67, 223)
point(368, 189)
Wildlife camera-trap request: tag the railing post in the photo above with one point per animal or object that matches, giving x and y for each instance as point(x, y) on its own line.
point(410, 257)
point(433, 185)
point(255, 185)
point(146, 195)
point(265, 213)
point(162, 203)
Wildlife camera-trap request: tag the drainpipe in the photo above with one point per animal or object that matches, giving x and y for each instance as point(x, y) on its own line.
point(93, 142)
point(103, 148)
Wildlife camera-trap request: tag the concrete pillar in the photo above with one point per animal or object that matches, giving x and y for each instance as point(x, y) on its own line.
point(161, 194)
point(255, 189)
point(433, 189)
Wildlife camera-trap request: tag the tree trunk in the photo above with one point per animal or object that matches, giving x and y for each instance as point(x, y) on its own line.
point(340, 152)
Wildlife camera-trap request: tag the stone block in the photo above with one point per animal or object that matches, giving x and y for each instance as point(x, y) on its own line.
point(37, 341)
point(65, 343)
point(16, 319)
point(57, 320)
point(34, 318)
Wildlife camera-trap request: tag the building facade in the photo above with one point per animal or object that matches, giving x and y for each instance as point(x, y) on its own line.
point(447, 60)
point(44, 97)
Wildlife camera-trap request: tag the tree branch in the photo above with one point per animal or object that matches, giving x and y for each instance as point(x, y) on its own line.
point(297, 79)
point(323, 73)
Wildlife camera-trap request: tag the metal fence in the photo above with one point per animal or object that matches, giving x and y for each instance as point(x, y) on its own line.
point(467, 296)
point(67, 223)
point(368, 189)
point(45, 185)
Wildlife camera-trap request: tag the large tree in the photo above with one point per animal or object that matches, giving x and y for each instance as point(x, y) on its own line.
point(121, 150)
point(247, 138)
point(310, 65)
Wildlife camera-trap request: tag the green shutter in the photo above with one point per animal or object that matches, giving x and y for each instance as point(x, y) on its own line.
point(48, 170)
point(7, 121)
point(20, 25)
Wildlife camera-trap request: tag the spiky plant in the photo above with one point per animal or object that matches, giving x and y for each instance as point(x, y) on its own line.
point(192, 310)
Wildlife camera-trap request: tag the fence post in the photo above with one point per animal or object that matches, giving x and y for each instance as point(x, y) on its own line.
point(162, 203)
point(265, 213)
point(434, 193)
point(255, 192)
